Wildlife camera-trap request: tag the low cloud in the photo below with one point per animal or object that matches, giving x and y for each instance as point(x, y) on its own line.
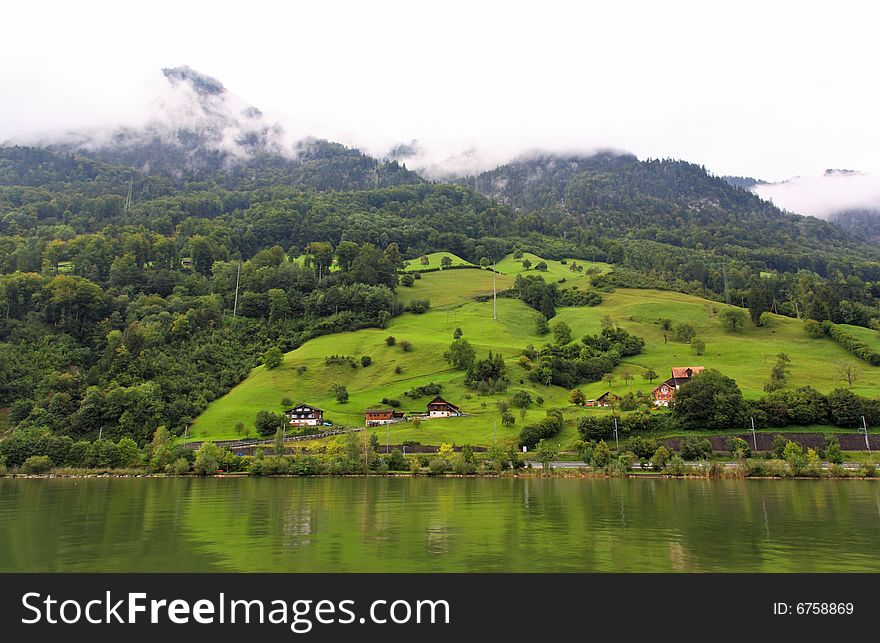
point(822, 196)
point(186, 108)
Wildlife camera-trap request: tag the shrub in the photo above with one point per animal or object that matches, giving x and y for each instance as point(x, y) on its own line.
point(601, 455)
point(366, 360)
point(739, 448)
point(396, 461)
point(286, 402)
point(694, 448)
point(521, 399)
point(37, 464)
point(390, 402)
point(418, 306)
point(273, 357)
point(267, 422)
point(813, 329)
point(407, 280)
point(855, 346)
point(178, 467)
point(437, 466)
point(208, 458)
point(832, 451)
point(390, 340)
point(431, 388)
point(676, 466)
point(531, 434)
point(660, 457)
point(405, 345)
point(596, 427)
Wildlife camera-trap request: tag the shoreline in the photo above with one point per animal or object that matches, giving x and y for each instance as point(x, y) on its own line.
point(553, 473)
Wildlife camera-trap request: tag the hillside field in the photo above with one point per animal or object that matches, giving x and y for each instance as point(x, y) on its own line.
point(747, 356)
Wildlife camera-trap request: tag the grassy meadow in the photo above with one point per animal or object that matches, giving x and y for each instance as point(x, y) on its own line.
point(747, 356)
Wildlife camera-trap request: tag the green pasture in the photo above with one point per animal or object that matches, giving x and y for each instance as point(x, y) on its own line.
point(747, 356)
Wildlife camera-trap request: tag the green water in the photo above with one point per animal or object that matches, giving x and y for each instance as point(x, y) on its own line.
point(423, 525)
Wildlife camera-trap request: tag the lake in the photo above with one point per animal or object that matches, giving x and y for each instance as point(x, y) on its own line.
point(425, 525)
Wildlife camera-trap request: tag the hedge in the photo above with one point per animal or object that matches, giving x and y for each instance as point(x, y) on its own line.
point(855, 346)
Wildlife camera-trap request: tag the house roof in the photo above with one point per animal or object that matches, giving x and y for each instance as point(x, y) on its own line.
point(304, 406)
point(440, 400)
point(670, 383)
point(378, 410)
point(686, 372)
point(604, 395)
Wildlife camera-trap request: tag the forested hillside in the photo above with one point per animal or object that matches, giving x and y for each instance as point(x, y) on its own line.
point(117, 284)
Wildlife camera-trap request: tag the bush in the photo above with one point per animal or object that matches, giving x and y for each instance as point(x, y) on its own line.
point(286, 402)
point(208, 458)
point(660, 457)
point(405, 345)
point(437, 466)
point(418, 306)
point(693, 448)
point(407, 280)
point(178, 467)
point(390, 340)
point(366, 360)
point(533, 433)
point(739, 448)
point(273, 358)
point(676, 466)
point(832, 451)
point(813, 329)
point(37, 464)
point(596, 427)
point(855, 346)
point(431, 388)
point(390, 402)
point(521, 399)
point(267, 423)
point(396, 461)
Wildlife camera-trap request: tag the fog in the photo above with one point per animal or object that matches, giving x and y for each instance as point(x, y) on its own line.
point(734, 87)
point(821, 196)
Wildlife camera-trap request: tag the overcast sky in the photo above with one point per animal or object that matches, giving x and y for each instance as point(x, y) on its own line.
point(766, 89)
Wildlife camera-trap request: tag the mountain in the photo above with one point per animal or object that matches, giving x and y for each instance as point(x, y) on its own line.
point(743, 182)
point(862, 223)
point(200, 131)
point(673, 202)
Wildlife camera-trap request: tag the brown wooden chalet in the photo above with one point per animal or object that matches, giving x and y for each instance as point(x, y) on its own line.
point(377, 417)
point(440, 408)
point(681, 375)
point(605, 399)
point(304, 415)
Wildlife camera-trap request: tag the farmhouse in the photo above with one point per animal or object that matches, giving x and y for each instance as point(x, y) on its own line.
point(440, 408)
point(603, 400)
point(681, 375)
point(377, 417)
point(304, 415)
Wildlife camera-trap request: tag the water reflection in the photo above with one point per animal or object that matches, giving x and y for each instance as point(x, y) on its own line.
point(377, 524)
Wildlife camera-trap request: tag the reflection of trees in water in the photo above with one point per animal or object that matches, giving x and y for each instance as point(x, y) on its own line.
point(405, 524)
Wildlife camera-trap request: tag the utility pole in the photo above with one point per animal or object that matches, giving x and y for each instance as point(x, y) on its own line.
point(864, 430)
point(237, 281)
point(494, 294)
point(754, 435)
point(726, 289)
point(128, 200)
